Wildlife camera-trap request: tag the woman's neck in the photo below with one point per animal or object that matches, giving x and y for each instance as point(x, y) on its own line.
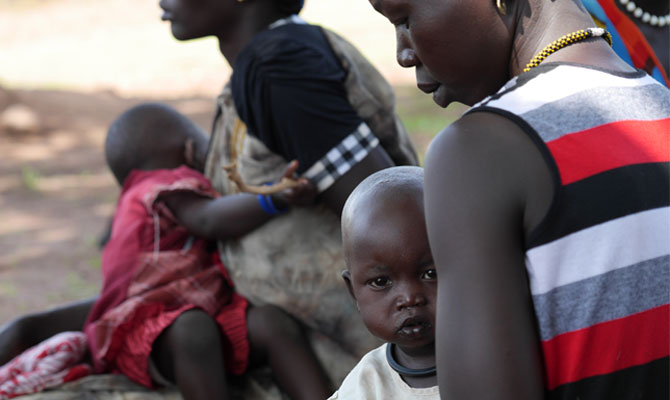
point(254, 17)
point(543, 22)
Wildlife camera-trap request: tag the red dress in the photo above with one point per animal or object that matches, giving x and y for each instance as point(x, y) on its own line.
point(154, 270)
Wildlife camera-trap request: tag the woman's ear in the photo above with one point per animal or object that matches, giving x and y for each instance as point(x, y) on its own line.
point(346, 275)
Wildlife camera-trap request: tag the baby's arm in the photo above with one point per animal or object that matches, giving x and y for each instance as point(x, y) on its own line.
point(222, 218)
point(234, 215)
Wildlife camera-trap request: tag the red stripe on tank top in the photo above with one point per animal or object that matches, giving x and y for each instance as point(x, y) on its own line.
point(605, 147)
point(610, 346)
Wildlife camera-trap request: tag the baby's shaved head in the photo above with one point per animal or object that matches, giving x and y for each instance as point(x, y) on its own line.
point(376, 194)
point(149, 136)
point(382, 184)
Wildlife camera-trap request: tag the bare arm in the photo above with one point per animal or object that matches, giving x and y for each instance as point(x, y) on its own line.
point(480, 199)
point(232, 216)
point(223, 218)
point(336, 195)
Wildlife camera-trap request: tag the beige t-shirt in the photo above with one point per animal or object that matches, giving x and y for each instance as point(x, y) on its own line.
point(373, 378)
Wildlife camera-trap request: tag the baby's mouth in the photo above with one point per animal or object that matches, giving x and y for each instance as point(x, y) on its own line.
point(414, 327)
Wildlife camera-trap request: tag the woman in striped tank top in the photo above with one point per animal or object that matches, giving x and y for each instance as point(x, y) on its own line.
point(547, 203)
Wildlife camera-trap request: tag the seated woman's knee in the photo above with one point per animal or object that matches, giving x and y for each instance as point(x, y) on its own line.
point(268, 322)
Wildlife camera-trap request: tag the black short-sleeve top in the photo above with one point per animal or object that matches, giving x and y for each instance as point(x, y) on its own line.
point(288, 88)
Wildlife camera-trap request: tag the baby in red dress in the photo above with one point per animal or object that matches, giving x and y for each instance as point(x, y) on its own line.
point(168, 312)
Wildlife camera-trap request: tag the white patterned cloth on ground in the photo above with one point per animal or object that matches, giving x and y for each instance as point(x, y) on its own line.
point(53, 362)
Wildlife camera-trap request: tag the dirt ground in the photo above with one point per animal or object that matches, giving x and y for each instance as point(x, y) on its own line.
point(73, 67)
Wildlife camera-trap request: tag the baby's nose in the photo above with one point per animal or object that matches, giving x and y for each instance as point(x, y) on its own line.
point(411, 298)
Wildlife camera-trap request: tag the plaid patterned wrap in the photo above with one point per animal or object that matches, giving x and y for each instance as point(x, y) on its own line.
point(342, 157)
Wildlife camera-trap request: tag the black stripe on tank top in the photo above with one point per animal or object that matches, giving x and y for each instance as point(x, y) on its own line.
point(606, 196)
point(643, 382)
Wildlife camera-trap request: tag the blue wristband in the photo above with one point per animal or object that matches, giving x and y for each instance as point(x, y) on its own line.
point(272, 205)
point(268, 206)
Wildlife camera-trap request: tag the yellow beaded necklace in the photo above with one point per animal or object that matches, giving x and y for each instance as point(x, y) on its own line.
point(566, 40)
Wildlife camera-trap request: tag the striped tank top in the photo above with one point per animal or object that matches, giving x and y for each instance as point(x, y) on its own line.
point(599, 263)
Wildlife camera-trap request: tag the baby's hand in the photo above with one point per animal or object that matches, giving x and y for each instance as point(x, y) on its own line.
point(302, 194)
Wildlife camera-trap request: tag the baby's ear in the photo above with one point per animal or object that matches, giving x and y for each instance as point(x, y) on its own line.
point(190, 155)
point(189, 152)
point(346, 275)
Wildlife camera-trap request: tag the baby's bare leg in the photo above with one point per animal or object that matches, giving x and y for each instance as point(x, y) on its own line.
point(29, 330)
point(189, 353)
point(279, 340)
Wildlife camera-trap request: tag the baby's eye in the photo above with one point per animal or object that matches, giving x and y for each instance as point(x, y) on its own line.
point(379, 282)
point(429, 275)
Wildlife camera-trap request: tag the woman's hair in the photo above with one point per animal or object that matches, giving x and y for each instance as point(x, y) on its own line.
point(289, 7)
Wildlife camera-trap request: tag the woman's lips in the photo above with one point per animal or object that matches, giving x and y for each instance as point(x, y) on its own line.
point(427, 84)
point(437, 90)
point(167, 14)
point(428, 87)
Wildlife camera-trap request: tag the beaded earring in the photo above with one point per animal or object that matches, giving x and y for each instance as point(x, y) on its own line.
point(501, 6)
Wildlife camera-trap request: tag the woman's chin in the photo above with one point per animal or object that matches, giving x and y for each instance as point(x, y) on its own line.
point(440, 97)
point(182, 34)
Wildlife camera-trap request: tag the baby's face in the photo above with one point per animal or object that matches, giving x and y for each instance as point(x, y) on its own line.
point(393, 277)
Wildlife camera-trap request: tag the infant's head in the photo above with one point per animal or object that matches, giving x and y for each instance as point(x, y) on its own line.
point(153, 136)
point(390, 267)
